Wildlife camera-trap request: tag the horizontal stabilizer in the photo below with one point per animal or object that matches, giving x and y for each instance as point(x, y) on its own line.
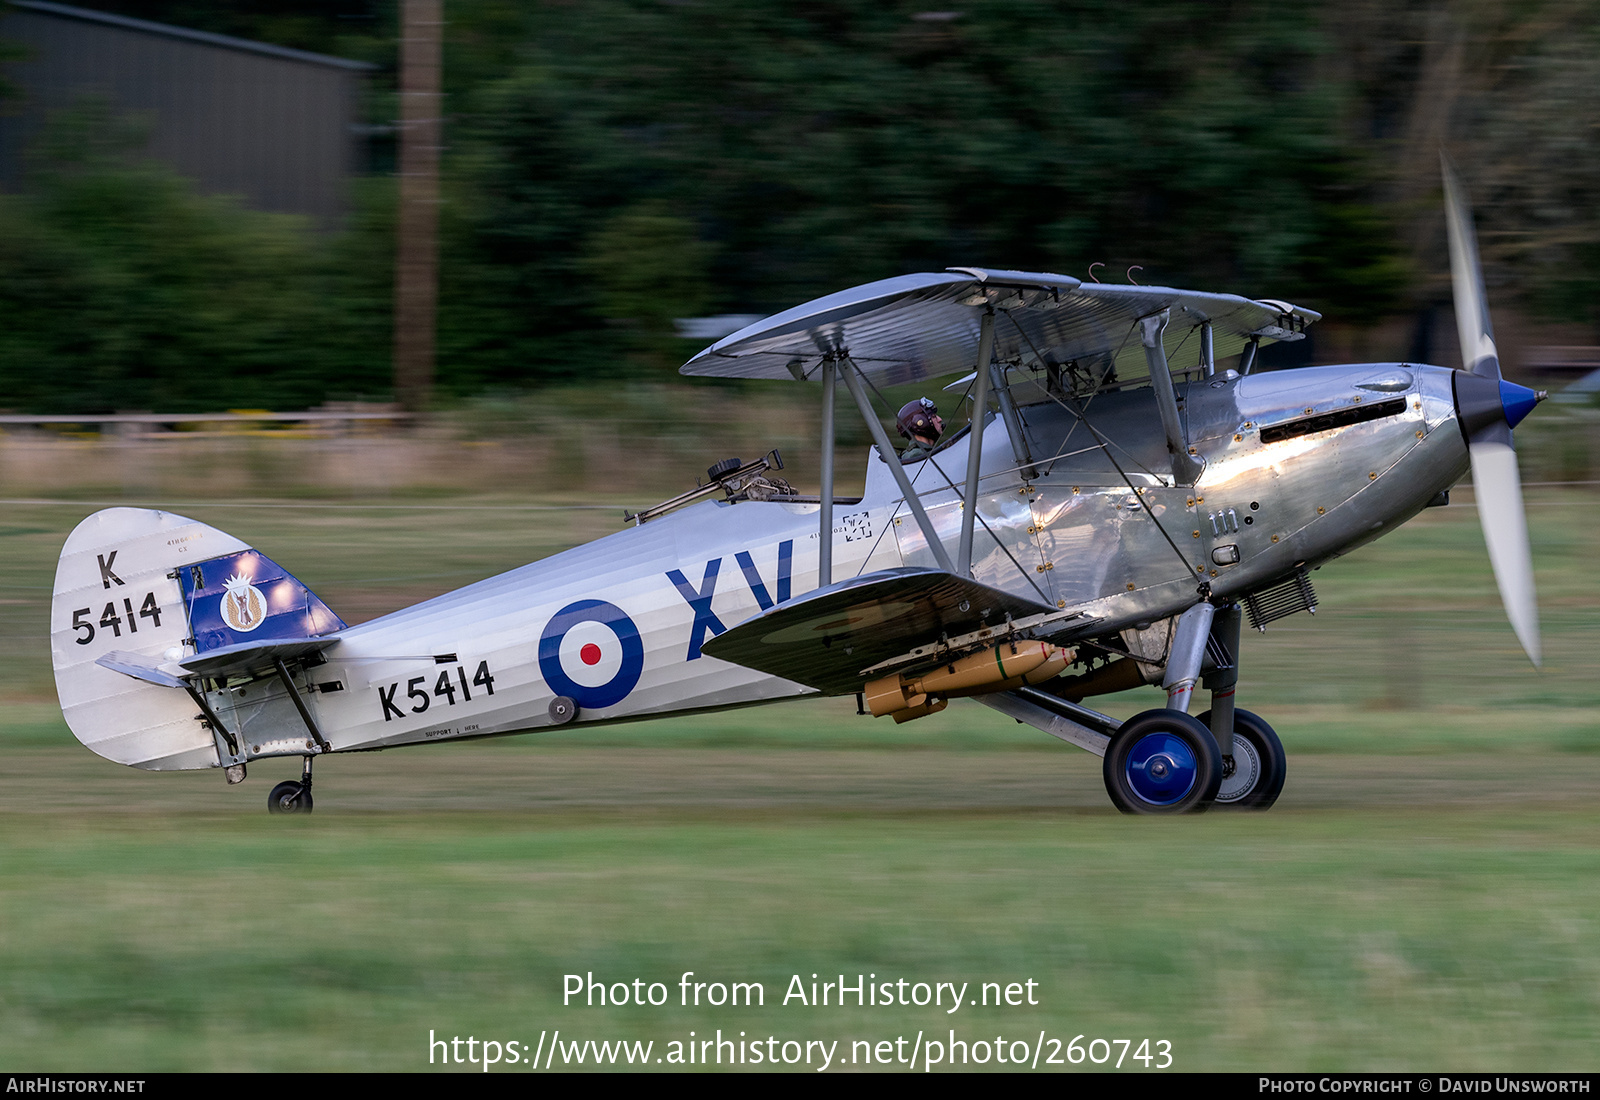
point(825, 639)
point(234, 660)
point(245, 657)
point(139, 667)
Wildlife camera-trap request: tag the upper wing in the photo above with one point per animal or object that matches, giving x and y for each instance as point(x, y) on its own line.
point(827, 639)
point(915, 327)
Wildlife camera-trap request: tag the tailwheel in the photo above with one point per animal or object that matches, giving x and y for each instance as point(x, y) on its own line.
point(1259, 764)
point(289, 797)
point(1162, 762)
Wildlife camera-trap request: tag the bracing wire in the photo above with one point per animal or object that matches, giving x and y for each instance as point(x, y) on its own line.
point(1105, 446)
point(979, 517)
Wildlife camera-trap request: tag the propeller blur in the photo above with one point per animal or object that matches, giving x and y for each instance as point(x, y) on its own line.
point(1489, 410)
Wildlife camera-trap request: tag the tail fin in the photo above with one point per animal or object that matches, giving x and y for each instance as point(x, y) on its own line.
point(247, 597)
point(157, 585)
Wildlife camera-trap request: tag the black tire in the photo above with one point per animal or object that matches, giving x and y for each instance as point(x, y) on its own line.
point(289, 797)
point(721, 469)
point(1162, 762)
point(1260, 764)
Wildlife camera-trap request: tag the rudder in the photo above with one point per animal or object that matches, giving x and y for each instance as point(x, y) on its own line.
point(164, 587)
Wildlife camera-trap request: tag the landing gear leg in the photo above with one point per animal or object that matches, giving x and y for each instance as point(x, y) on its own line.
point(1187, 654)
point(1253, 760)
point(290, 797)
point(1222, 681)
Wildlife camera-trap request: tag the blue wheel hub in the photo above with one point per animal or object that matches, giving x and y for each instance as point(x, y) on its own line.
point(1161, 768)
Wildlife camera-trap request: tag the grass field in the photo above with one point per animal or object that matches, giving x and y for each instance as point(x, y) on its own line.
point(1426, 895)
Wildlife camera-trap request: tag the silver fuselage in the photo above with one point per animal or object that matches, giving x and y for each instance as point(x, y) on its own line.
point(1117, 546)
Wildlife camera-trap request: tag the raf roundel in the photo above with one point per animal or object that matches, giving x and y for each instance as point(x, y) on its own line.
point(591, 651)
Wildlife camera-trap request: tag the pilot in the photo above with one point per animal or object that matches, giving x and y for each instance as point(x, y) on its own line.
point(919, 422)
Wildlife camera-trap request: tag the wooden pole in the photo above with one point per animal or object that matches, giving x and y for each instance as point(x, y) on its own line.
point(416, 284)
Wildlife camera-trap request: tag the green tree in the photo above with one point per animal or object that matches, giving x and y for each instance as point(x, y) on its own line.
point(809, 147)
point(647, 268)
point(121, 288)
point(614, 164)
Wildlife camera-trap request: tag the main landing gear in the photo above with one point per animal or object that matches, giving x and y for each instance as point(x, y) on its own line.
point(1259, 764)
point(1165, 762)
point(1162, 762)
point(290, 797)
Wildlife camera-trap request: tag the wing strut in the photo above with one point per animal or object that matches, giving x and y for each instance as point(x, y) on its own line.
point(980, 414)
point(1247, 357)
point(1185, 467)
point(1014, 428)
point(891, 457)
point(830, 371)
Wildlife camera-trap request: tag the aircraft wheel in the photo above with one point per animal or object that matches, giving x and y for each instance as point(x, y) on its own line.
point(289, 797)
point(1259, 764)
point(1162, 762)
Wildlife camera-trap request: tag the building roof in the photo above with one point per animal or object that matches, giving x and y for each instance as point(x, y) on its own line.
point(224, 41)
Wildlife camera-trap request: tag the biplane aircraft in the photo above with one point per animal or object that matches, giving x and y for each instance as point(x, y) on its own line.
point(1127, 490)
